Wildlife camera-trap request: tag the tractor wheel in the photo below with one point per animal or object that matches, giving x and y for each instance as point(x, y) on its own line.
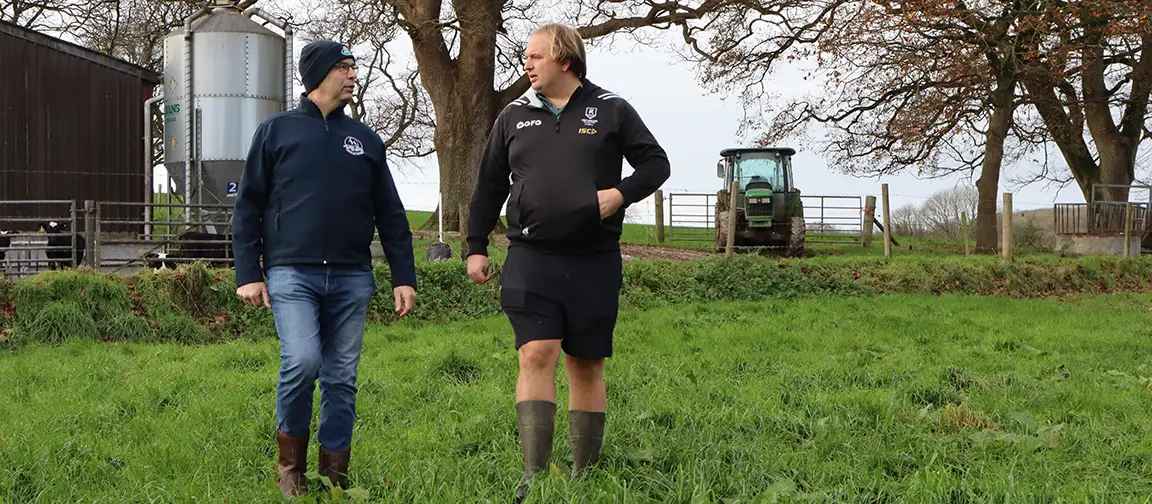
point(796, 237)
point(722, 231)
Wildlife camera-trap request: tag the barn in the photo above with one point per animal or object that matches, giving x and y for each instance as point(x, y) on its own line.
point(71, 128)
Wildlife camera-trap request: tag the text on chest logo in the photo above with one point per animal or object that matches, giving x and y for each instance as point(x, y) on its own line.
point(525, 124)
point(353, 146)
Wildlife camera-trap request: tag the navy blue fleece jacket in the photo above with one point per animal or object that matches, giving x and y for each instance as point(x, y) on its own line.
point(313, 191)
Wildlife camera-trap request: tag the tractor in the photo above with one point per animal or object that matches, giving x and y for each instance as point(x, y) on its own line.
point(769, 213)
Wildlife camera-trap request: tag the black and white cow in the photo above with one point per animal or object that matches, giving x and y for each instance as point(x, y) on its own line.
point(211, 253)
point(62, 257)
point(5, 242)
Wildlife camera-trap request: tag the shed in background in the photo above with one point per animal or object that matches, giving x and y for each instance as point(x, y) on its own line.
point(71, 127)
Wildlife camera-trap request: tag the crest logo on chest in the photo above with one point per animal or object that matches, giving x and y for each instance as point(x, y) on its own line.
point(353, 146)
point(590, 116)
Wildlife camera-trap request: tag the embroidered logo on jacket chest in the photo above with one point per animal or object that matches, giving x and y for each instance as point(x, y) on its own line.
point(353, 146)
point(589, 116)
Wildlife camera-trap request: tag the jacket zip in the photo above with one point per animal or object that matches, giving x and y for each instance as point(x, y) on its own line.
point(324, 242)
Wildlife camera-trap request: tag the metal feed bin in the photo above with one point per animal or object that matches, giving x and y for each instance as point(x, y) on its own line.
point(238, 74)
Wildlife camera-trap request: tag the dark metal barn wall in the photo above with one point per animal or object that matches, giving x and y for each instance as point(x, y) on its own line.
point(71, 127)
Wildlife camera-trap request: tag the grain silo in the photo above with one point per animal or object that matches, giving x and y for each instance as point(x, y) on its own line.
point(236, 74)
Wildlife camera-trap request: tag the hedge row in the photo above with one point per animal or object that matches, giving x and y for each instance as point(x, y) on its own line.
point(196, 305)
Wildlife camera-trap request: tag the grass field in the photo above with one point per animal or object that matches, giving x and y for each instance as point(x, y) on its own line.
point(899, 398)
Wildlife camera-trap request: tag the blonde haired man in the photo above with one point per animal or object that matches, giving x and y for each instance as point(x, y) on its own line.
point(563, 143)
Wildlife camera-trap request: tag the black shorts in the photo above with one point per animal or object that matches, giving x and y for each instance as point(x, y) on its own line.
point(571, 298)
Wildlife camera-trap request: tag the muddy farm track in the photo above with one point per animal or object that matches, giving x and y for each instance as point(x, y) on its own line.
point(630, 251)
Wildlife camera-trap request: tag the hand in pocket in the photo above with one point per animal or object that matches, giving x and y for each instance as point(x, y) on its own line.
point(610, 201)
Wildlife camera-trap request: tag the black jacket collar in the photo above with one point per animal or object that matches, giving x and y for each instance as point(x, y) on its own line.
point(309, 107)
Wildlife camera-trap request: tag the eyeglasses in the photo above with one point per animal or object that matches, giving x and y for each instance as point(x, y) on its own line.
point(345, 67)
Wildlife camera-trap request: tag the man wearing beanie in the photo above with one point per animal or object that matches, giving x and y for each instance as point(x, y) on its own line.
point(315, 187)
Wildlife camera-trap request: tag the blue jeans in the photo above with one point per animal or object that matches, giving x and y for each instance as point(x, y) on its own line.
point(320, 314)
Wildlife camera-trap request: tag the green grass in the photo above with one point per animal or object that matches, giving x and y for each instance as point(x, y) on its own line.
point(908, 398)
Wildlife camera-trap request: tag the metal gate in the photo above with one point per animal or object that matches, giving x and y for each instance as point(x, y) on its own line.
point(827, 218)
point(833, 219)
point(36, 236)
point(691, 217)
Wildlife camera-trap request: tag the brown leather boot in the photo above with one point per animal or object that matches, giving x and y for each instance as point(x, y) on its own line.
point(334, 465)
point(293, 463)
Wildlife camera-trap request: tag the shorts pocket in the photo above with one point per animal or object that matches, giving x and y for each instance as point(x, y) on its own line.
point(513, 299)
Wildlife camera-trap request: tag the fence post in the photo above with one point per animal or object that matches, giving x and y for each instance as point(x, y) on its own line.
point(734, 193)
point(659, 215)
point(72, 229)
point(964, 230)
point(1007, 227)
point(869, 218)
point(887, 222)
point(94, 243)
point(1128, 230)
point(90, 231)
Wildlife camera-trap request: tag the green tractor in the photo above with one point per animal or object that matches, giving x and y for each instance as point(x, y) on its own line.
point(769, 213)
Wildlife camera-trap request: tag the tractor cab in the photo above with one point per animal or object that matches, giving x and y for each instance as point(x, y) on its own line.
point(768, 207)
point(763, 174)
point(761, 168)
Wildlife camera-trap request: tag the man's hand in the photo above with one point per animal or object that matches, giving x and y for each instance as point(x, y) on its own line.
point(610, 201)
point(405, 299)
point(253, 293)
point(478, 268)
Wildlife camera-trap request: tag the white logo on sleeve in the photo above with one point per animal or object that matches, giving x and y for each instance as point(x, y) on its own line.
point(353, 146)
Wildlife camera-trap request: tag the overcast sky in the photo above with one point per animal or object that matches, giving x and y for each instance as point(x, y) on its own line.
point(694, 126)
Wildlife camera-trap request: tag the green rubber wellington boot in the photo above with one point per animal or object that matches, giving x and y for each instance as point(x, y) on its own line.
point(586, 432)
point(537, 421)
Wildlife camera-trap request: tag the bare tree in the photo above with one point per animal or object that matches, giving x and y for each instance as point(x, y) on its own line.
point(55, 16)
point(906, 221)
point(941, 212)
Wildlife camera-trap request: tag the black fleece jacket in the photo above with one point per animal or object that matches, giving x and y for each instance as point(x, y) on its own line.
point(557, 164)
point(312, 191)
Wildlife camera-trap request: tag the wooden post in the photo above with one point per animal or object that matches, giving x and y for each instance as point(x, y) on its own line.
point(659, 216)
point(964, 230)
point(869, 218)
point(1007, 247)
point(887, 222)
point(1128, 230)
point(734, 193)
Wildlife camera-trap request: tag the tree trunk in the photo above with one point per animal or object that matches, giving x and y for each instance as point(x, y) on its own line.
point(461, 91)
point(988, 185)
point(461, 133)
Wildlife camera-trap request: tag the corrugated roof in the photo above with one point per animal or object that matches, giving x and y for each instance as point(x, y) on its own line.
point(80, 51)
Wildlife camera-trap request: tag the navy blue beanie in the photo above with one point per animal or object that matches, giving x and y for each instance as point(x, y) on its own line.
point(317, 58)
